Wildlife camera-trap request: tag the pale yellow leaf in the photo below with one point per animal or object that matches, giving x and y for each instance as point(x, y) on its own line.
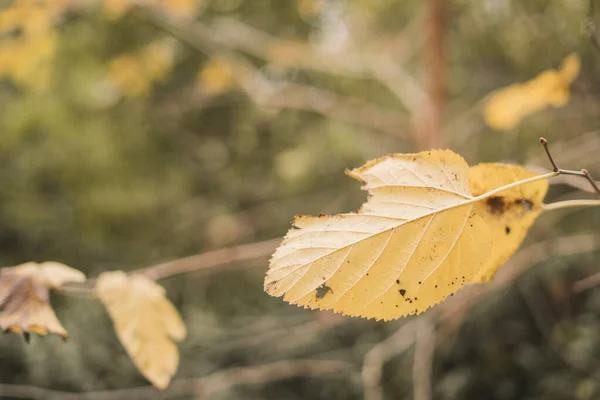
point(417, 240)
point(145, 321)
point(510, 213)
point(509, 105)
point(25, 296)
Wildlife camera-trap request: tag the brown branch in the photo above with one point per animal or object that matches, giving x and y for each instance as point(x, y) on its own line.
point(200, 262)
point(201, 387)
point(533, 254)
point(423, 359)
point(231, 37)
point(430, 133)
point(375, 358)
point(590, 26)
point(587, 283)
point(583, 173)
point(211, 259)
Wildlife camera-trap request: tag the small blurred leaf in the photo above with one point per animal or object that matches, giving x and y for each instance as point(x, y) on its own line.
point(134, 73)
point(145, 322)
point(509, 105)
point(25, 296)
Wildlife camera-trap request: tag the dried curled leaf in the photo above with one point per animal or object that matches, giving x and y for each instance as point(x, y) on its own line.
point(510, 213)
point(25, 296)
point(146, 323)
point(418, 239)
point(509, 105)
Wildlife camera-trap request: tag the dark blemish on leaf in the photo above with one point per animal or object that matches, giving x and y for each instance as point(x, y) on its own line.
point(436, 286)
point(451, 294)
point(410, 301)
point(416, 298)
point(321, 215)
point(507, 229)
point(453, 283)
point(526, 203)
point(495, 204)
point(367, 274)
point(348, 262)
point(397, 280)
point(396, 305)
point(323, 290)
point(414, 158)
point(419, 282)
point(402, 292)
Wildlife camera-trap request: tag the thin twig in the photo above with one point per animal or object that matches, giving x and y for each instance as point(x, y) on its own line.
point(544, 143)
point(571, 203)
point(592, 182)
point(542, 317)
point(559, 171)
point(211, 259)
point(590, 26)
point(587, 283)
point(423, 359)
point(374, 360)
point(201, 387)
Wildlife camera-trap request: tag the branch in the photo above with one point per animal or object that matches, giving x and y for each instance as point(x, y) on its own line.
point(587, 283)
point(423, 359)
point(199, 262)
point(571, 203)
point(430, 134)
point(211, 259)
point(375, 358)
point(590, 27)
point(201, 387)
point(230, 36)
point(533, 254)
point(559, 171)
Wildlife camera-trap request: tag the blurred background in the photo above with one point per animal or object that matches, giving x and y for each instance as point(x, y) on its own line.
point(134, 132)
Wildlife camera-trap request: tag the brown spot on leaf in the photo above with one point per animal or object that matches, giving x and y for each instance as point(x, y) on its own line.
point(495, 204)
point(402, 292)
point(323, 290)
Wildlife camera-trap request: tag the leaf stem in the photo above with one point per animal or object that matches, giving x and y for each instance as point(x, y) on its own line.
point(515, 184)
point(571, 203)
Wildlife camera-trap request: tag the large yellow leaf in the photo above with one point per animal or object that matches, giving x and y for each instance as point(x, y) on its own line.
point(510, 213)
point(418, 239)
point(145, 321)
point(509, 105)
point(25, 296)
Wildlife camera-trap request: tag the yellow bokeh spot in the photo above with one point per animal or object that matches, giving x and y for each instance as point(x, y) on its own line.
point(215, 77)
point(509, 105)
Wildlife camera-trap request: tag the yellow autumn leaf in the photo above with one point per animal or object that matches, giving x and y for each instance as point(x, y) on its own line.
point(510, 213)
point(25, 296)
point(215, 77)
point(509, 105)
point(145, 321)
point(134, 73)
point(418, 239)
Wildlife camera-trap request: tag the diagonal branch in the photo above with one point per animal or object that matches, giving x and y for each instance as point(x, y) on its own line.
point(202, 387)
